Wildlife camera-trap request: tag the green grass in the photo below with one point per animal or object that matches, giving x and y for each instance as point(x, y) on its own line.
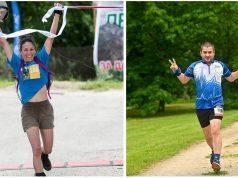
point(220, 173)
point(101, 85)
point(177, 108)
point(5, 82)
point(153, 139)
point(97, 85)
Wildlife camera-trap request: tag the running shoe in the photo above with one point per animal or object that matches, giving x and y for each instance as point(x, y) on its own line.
point(39, 174)
point(212, 158)
point(46, 161)
point(216, 165)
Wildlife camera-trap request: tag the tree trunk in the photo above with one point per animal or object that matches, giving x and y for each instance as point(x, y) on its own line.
point(162, 105)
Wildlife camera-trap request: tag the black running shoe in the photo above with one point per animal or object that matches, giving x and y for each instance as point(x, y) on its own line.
point(46, 162)
point(40, 174)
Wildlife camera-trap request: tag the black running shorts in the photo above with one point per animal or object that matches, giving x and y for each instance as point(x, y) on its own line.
point(205, 115)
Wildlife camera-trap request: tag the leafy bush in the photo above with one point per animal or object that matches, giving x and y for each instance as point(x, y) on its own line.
point(149, 100)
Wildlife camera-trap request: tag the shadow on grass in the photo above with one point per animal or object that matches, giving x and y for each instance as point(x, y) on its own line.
point(169, 111)
point(220, 173)
point(176, 108)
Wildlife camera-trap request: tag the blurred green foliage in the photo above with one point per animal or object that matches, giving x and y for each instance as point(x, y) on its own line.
point(72, 51)
point(159, 31)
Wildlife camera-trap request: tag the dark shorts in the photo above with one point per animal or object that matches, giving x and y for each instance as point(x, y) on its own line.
point(205, 115)
point(39, 114)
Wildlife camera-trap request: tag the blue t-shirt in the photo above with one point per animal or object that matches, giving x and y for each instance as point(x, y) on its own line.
point(28, 88)
point(208, 82)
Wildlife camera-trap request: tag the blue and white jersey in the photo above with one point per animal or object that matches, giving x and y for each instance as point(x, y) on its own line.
point(208, 82)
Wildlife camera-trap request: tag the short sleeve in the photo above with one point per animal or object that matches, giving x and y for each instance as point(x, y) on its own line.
point(189, 71)
point(43, 56)
point(14, 63)
point(226, 71)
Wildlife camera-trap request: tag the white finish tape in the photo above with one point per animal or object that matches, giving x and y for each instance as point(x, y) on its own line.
point(44, 19)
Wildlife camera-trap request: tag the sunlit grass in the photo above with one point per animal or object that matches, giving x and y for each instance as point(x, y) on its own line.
point(152, 139)
point(101, 85)
point(6, 83)
point(97, 85)
point(220, 173)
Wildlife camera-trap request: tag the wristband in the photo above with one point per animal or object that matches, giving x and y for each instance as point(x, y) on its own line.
point(58, 12)
point(178, 72)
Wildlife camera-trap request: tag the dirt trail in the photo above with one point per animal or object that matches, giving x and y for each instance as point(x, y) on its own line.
point(194, 161)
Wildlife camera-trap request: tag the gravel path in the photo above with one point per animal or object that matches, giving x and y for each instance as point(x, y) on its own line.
point(194, 161)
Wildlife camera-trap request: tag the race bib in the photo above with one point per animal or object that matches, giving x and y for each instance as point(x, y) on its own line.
point(34, 71)
point(218, 111)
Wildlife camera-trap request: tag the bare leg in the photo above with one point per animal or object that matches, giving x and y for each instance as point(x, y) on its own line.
point(34, 138)
point(47, 136)
point(216, 135)
point(208, 135)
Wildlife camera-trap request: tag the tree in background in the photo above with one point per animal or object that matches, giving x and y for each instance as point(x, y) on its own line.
point(158, 31)
point(70, 60)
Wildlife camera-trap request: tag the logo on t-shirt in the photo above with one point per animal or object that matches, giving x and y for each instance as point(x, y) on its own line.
point(31, 72)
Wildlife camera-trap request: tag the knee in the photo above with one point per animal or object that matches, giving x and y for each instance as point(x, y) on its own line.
point(36, 151)
point(208, 136)
point(215, 131)
point(47, 150)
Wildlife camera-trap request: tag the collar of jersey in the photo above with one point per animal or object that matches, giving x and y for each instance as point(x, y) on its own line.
point(30, 62)
point(206, 63)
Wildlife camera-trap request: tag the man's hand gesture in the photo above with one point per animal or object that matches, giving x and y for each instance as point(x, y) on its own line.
point(173, 66)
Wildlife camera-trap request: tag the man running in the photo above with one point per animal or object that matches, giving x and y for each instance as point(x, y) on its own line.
point(207, 74)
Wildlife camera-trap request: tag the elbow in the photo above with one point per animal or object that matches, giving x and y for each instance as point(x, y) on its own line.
point(183, 81)
point(231, 79)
